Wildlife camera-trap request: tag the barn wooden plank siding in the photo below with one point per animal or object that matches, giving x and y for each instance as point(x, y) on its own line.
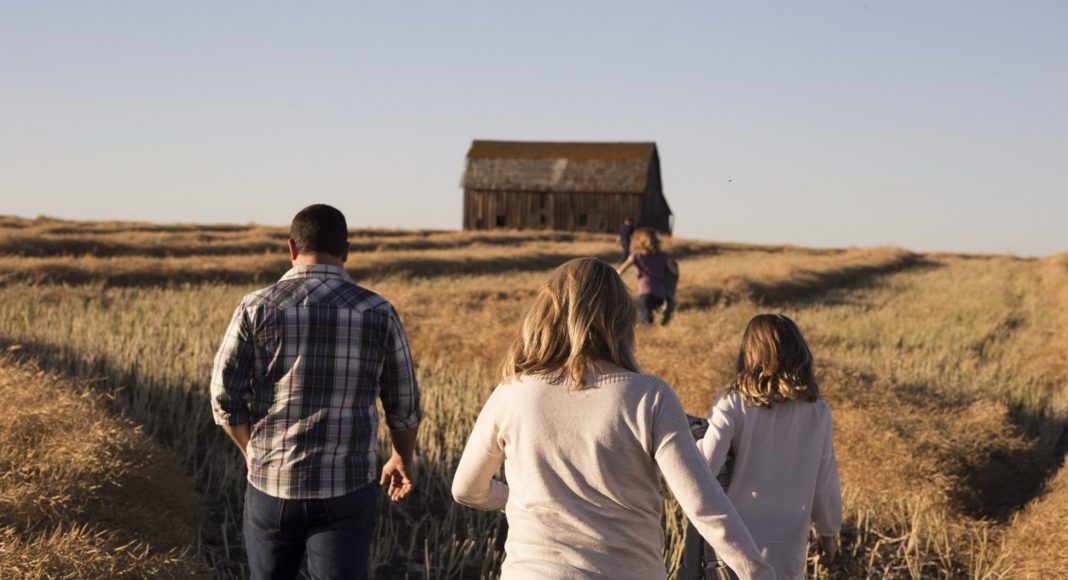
point(563, 186)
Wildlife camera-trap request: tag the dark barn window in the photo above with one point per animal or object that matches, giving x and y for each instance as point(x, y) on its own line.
point(584, 220)
point(500, 221)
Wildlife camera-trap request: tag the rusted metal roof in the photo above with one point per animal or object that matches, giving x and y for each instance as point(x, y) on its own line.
point(558, 166)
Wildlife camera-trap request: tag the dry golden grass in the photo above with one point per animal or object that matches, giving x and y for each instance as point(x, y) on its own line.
point(1037, 539)
point(261, 268)
point(85, 494)
point(47, 237)
point(119, 254)
point(944, 372)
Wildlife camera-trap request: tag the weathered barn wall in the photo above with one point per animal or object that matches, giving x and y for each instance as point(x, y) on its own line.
point(594, 212)
point(563, 186)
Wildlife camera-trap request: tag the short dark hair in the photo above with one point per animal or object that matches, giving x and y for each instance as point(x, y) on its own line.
point(320, 229)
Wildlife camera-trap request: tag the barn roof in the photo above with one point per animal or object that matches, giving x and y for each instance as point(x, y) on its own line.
point(558, 166)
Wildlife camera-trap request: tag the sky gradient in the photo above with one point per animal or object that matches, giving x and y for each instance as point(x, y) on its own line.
point(935, 126)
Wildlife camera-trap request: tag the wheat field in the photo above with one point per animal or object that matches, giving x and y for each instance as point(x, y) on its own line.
point(946, 375)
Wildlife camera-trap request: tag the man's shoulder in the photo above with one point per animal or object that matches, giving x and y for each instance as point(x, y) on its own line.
point(342, 293)
point(257, 297)
point(359, 298)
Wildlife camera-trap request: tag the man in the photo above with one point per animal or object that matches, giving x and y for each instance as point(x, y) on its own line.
point(625, 232)
point(294, 385)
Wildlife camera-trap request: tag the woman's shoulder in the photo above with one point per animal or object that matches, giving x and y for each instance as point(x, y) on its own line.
point(728, 398)
point(630, 379)
point(522, 383)
point(816, 412)
point(822, 409)
point(638, 386)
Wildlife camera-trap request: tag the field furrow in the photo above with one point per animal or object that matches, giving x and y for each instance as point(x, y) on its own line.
point(946, 374)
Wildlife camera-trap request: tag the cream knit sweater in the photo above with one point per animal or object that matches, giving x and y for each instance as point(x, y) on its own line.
point(784, 474)
point(583, 495)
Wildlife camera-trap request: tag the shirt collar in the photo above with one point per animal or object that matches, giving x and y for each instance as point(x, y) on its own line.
point(320, 271)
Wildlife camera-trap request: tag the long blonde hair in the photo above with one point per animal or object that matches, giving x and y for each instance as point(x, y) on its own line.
point(646, 241)
point(582, 314)
point(774, 363)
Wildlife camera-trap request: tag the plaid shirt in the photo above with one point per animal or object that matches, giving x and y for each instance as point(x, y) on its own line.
point(303, 362)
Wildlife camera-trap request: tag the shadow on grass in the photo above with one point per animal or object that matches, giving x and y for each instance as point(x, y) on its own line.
point(993, 453)
point(212, 245)
point(813, 288)
point(427, 535)
point(807, 286)
point(185, 428)
point(272, 268)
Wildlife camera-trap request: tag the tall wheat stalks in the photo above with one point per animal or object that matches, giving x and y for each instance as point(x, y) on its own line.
point(928, 363)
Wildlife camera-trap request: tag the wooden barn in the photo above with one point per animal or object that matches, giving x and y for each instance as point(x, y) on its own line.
point(563, 186)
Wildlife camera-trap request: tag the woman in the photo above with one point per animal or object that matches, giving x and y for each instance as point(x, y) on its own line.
point(654, 270)
point(784, 473)
point(581, 434)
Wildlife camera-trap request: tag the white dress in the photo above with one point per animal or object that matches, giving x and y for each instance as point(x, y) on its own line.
point(583, 494)
point(784, 473)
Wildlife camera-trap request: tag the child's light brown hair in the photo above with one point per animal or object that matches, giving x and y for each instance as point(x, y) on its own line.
point(646, 242)
point(774, 363)
point(583, 314)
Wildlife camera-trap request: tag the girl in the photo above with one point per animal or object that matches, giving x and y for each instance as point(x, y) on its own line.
point(582, 434)
point(654, 269)
point(784, 473)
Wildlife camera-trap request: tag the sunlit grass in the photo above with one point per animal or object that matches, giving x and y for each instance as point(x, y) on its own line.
point(939, 371)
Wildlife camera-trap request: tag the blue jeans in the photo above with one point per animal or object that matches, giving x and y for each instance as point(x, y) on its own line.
point(335, 532)
point(647, 303)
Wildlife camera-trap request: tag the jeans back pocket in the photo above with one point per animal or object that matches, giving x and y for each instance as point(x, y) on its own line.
point(263, 511)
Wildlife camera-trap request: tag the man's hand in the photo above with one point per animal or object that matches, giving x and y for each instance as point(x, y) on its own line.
point(240, 434)
point(398, 476)
point(828, 549)
point(399, 471)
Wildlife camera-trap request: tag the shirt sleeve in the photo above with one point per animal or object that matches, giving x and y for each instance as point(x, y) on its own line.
point(474, 484)
point(398, 388)
point(699, 495)
point(827, 505)
point(232, 372)
point(717, 441)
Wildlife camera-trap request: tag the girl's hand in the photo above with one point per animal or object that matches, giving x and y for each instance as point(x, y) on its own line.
point(698, 426)
point(828, 549)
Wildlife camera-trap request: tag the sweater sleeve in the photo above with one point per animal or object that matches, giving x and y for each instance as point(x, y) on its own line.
point(827, 504)
point(474, 484)
point(699, 495)
point(717, 440)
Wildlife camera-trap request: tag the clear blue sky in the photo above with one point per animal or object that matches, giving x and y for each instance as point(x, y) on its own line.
point(933, 125)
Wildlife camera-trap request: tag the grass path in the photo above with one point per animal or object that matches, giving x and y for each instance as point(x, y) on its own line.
point(85, 493)
point(944, 373)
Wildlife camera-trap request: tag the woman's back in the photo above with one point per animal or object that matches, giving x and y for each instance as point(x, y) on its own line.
point(580, 434)
point(784, 473)
point(583, 497)
point(579, 464)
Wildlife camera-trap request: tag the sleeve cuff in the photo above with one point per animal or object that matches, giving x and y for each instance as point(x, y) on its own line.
point(239, 417)
point(404, 423)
